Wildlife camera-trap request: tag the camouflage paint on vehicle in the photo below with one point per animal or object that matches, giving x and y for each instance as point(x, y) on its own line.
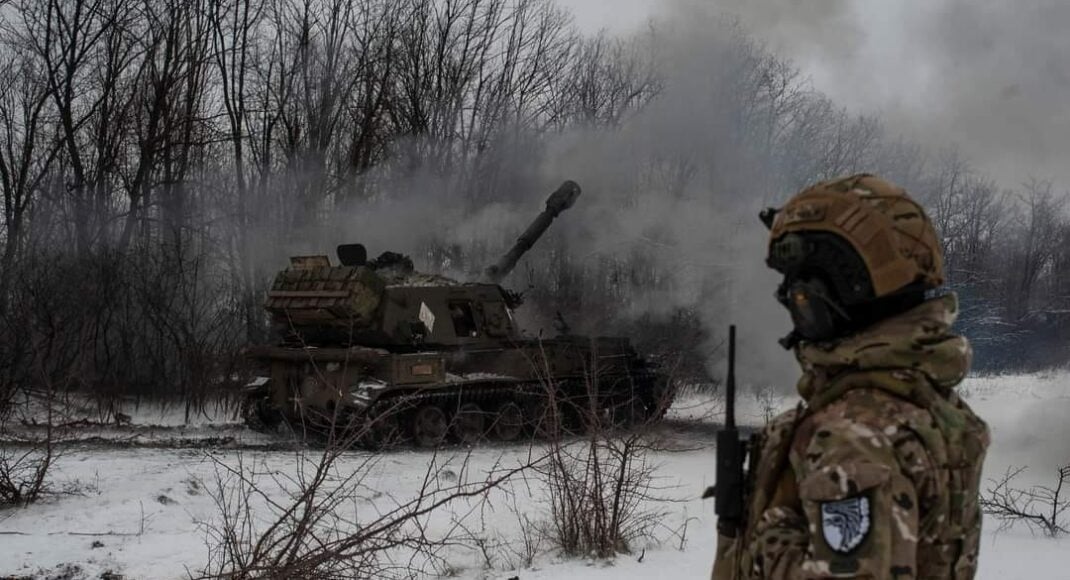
point(378, 343)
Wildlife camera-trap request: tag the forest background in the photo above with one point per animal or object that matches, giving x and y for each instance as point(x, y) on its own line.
point(161, 159)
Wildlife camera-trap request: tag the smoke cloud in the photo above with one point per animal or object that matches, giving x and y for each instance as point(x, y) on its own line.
point(674, 184)
point(986, 76)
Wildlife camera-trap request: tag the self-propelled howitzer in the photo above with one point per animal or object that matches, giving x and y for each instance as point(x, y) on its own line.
point(385, 353)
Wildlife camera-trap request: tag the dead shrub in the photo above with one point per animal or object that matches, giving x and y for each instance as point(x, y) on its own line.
point(1039, 507)
point(23, 473)
point(25, 461)
point(311, 523)
point(602, 494)
point(602, 487)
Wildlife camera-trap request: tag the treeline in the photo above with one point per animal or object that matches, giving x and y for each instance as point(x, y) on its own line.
point(158, 159)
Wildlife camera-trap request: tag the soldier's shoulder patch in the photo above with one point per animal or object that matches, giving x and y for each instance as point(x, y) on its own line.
point(845, 523)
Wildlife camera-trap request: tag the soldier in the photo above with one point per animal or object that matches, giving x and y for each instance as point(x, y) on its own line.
point(875, 475)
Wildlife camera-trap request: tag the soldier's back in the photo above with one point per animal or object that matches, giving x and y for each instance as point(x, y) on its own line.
point(892, 450)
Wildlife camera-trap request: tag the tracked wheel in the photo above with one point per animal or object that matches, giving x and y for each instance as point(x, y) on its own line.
point(429, 426)
point(508, 422)
point(576, 414)
point(383, 431)
point(543, 418)
point(259, 416)
point(469, 424)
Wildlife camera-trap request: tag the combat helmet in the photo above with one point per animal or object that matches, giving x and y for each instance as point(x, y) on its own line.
point(853, 250)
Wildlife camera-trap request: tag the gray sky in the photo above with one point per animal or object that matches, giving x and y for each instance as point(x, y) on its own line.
point(989, 76)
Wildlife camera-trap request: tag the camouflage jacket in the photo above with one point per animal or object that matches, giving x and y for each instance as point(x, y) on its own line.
point(876, 475)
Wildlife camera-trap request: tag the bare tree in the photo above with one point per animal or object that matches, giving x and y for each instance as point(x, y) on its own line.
point(212, 137)
point(27, 154)
point(234, 29)
point(1036, 244)
point(1039, 507)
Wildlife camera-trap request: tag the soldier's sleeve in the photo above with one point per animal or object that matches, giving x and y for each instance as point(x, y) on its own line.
point(859, 508)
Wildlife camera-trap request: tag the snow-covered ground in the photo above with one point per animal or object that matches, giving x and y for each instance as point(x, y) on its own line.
point(142, 509)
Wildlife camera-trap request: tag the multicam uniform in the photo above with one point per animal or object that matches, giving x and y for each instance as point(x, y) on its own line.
point(877, 475)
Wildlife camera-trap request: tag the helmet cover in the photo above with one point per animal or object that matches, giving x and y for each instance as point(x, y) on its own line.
point(852, 250)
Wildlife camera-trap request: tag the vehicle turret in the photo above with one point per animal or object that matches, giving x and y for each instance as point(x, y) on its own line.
point(386, 302)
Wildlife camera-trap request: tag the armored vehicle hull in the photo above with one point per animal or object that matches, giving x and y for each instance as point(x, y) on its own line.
point(378, 351)
point(462, 394)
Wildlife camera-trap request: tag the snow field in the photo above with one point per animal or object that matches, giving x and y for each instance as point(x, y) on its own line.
point(145, 509)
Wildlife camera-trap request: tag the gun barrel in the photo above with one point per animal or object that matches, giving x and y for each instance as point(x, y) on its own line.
point(558, 202)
